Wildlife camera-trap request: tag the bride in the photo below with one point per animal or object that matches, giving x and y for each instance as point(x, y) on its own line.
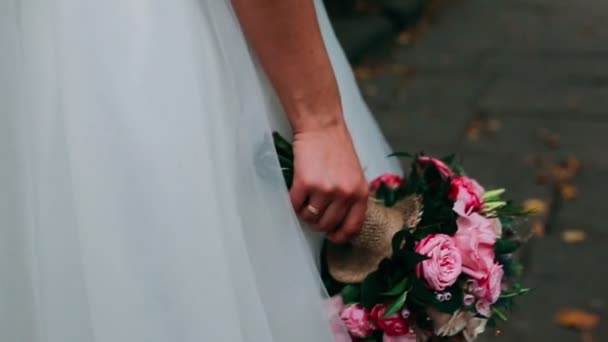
point(140, 196)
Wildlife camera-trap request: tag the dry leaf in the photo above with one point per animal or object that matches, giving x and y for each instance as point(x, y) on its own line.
point(538, 229)
point(568, 191)
point(577, 319)
point(473, 130)
point(573, 165)
point(550, 139)
point(538, 206)
point(573, 236)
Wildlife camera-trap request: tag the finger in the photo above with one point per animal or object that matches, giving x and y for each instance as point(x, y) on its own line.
point(333, 216)
point(353, 222)
point(298, 194)
point(314, 209)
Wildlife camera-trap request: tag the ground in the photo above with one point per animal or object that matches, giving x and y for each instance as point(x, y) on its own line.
point(519, 89)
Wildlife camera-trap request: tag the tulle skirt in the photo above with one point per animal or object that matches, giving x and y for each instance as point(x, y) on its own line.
point(140, 195)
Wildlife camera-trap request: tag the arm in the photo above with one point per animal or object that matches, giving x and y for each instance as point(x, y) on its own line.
point(329, 189)
point(286, 38)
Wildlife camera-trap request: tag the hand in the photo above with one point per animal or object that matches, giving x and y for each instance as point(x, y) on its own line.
point(329, 189)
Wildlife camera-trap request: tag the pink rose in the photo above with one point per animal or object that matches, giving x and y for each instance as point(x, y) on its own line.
point(444, 264)
point(483, 307)
point(468, 299)
point(393, 325)
point(468, 191)
point(357, 321)
point(334, 307)
point(490, 287)
point(444, 170)
point(475, 240)
point(391, 180)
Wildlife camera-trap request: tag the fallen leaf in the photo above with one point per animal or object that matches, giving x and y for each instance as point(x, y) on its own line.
point(474, 129)
point(573, 236)
point(577, 319)
point(573, 165)
point(538, 206)
point(538, 229)
point(551, 139)
point(567, 190)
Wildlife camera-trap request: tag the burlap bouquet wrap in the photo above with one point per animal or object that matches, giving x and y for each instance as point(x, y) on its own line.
point(350, 263)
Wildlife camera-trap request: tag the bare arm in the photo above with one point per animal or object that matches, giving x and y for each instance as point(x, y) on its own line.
point(329, 190)
point(286, 38)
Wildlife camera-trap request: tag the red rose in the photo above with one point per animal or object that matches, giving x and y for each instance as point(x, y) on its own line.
point(391, 180)
point(443, 169)
point(393, 325)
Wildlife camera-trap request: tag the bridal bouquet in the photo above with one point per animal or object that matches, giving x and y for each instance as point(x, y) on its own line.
point(434, 258)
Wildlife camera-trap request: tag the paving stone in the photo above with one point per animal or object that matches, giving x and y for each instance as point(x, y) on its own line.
point(532, 66)
point(525, 136)
point(450, 89)
point(358, 34)
point(561, 276)
point(587, 210)
point(434, 125)
point(546, 96)
point(404, 12)
point(538, 67)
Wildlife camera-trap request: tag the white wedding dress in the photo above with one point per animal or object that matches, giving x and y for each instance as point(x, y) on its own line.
point(140, 196)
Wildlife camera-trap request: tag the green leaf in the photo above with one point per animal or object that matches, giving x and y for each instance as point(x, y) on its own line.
point(390, 198)
point(401, 154)
point(449, 159)
point(491, 206)
point(459, 170)
point(409, 259)
point(397, 305)
point(488, 196)
point(506, 246)
point(499, 314)
point(368, 339)
point(285, 162)
point(282, 145)
point(398, 240)
point(350, 294)
point(370, 290)
point(511, 294)
point(397, 289)
point(420, 294)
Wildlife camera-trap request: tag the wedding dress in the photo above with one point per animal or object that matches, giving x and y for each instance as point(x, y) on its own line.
point(140, 196)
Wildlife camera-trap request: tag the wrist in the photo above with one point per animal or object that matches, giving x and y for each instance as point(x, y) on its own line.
point(318, 119)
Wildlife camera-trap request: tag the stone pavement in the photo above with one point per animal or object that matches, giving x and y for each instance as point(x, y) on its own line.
point(515, 86)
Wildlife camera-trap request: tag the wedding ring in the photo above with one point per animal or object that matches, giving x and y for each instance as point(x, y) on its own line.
point(313, 210)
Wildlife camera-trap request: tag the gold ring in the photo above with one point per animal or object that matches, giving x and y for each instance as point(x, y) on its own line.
point(312, 209)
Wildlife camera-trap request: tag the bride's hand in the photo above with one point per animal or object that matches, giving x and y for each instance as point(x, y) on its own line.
point(329, 189)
